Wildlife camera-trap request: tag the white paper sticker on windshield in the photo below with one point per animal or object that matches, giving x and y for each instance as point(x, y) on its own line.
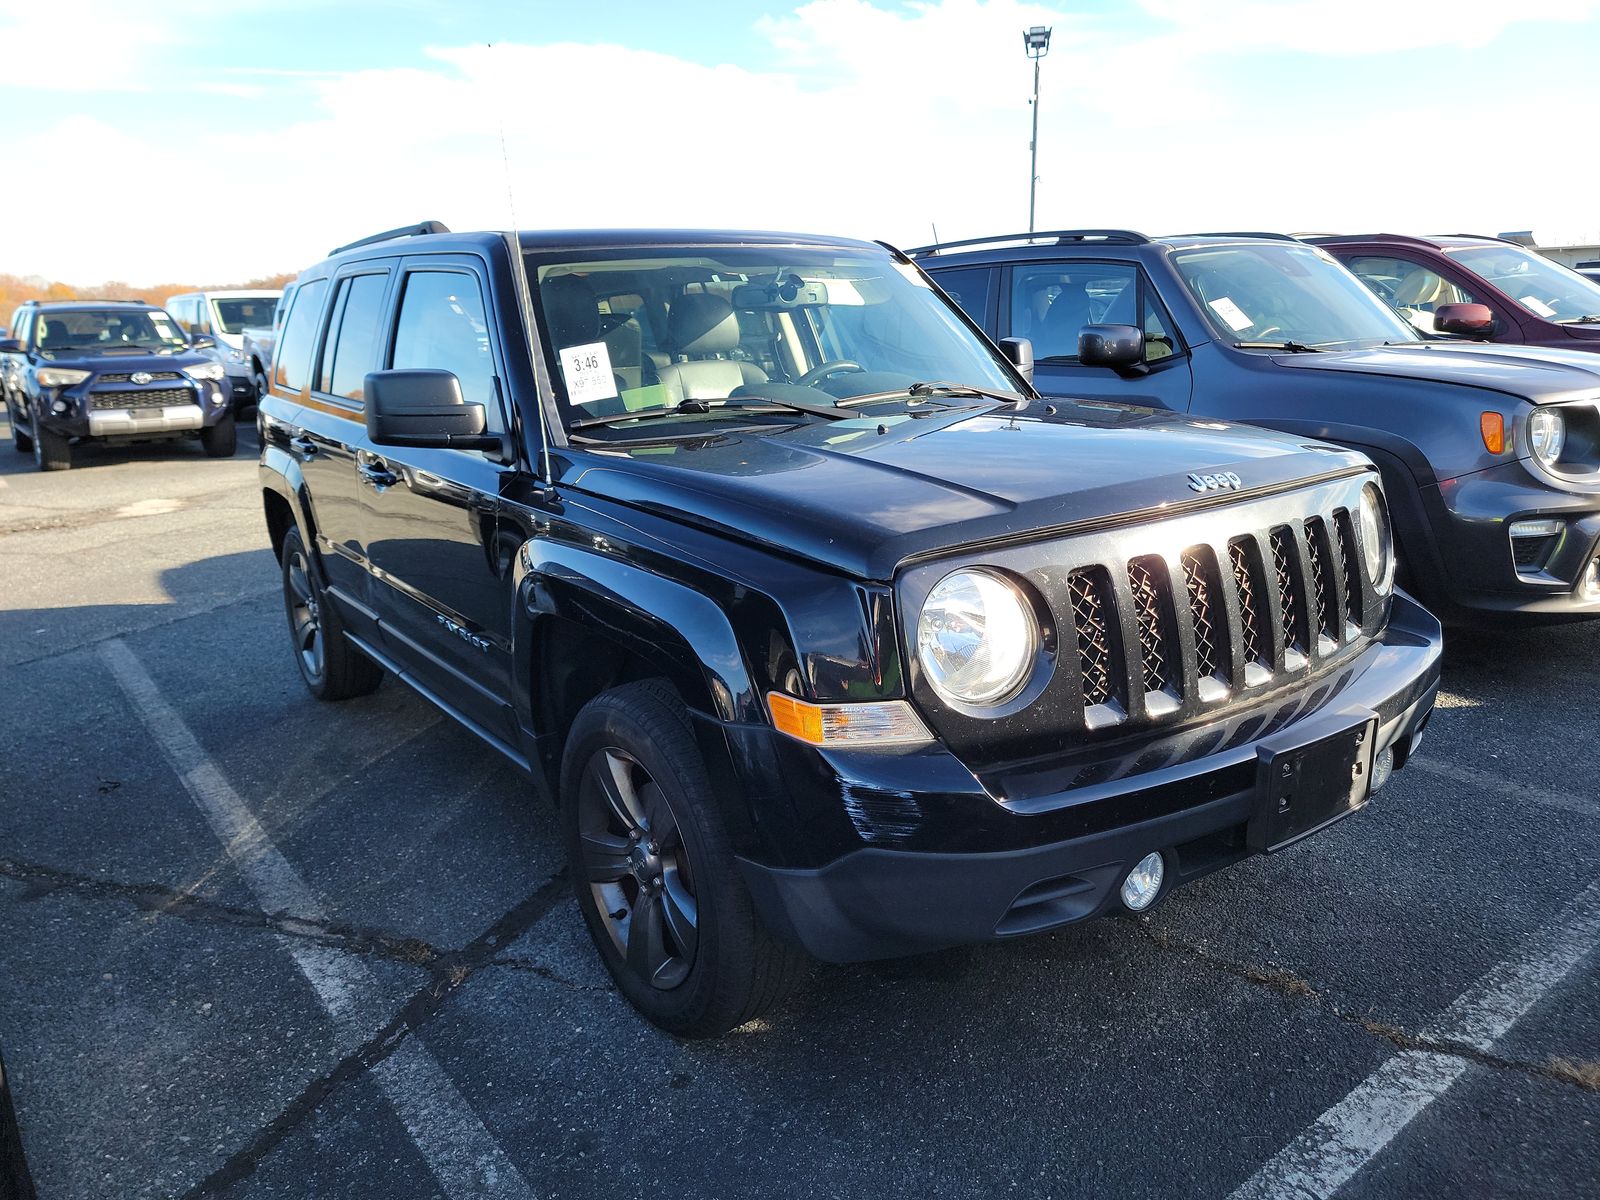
point(1538, 307)
point(587, 370)
point(1231, 313)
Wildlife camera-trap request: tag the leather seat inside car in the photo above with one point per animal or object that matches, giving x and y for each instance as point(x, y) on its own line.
point(701, 328)
point(1069, 312)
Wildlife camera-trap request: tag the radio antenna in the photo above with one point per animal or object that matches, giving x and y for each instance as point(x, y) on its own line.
point(519, 274)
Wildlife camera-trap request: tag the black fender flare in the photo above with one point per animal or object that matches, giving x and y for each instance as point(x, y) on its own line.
point(281, 476)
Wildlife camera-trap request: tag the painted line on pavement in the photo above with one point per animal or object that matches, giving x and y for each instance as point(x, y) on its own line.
point(1582, 805)
point(462, 1154)
point(1351, 1134)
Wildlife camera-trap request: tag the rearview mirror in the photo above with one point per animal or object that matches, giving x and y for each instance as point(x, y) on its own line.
point(203, 341)
point(1467, 320)
point(423, 408)
point(1120, 347)
point(1019, 353)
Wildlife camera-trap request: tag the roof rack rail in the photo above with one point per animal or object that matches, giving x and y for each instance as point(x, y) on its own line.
point(417, 230)
point(1116, 237)
point(1405, 239)
point(1246, 233)
point(89, 300)
point(1488, 237)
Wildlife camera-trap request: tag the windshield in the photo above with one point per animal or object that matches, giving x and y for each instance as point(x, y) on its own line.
point(239, 313)
point(636, 331)
point(109, 330)
point(1287, 293)
point(1544, 288)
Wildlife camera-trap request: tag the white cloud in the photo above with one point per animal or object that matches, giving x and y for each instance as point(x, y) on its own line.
point(871, 120)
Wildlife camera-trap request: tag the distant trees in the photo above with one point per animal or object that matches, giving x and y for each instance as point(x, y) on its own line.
point(14, 289)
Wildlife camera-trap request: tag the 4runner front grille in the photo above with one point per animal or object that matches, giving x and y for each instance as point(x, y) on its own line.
point(124, 377)
point(145, 398)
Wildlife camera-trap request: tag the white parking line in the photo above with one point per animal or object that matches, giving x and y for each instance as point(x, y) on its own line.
point(462, 1154)
point(1582, 805)
point(1350, 1134)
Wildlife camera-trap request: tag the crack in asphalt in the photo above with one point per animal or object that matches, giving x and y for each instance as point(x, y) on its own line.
point(161, 900)
point(176, 618)
point(448, 975)
point(1581, 1075)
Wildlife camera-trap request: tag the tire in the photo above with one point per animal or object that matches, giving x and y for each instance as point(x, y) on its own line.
point(663, 899)
point(332, 668)
point(51, 451)
point(222, 439)
point(20, 442)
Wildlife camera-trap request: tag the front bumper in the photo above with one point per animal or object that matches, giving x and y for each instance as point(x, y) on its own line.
point(880, 902)
point(122, 410)
point(145, 422)
point(1478, 575)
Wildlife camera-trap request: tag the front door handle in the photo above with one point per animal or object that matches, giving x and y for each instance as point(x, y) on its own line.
point(303, 444)
point(376, 473)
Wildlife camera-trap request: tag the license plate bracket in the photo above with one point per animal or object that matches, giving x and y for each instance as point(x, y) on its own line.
point(1303, 788)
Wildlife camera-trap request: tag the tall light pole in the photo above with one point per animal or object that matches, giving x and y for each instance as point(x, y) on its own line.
point(1036, 41)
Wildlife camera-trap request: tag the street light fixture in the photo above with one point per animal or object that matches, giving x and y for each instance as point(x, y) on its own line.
point(1036, 41)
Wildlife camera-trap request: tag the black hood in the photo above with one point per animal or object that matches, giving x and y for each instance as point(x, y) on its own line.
point(1540, 375)
point(863, 501)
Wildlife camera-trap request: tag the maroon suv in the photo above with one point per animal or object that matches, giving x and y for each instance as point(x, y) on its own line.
point(1477, 287)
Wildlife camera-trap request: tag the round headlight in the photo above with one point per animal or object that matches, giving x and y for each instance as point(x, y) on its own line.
point(1377, 544)
point(1547, 434)
point(976, 638)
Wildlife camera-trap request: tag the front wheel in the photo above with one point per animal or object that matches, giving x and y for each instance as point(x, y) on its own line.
point(333, 669)
point(51, 451)
point(654, 872)
point(222, 439)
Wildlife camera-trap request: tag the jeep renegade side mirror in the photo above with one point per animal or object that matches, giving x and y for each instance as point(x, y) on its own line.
point(1019, 353)
point(423, 408)
point(1467, 320)
point(1120, 347)
point(10, 346)
point(202, 341)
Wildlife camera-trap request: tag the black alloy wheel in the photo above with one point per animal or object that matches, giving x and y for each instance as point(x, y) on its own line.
point(333, 669)
point(305, 613)
point(637, 868)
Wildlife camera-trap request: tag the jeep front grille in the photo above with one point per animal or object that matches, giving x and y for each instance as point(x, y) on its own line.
point(1355, 610)
point(1206, 611)
point(1090, 606)
point(145, 398)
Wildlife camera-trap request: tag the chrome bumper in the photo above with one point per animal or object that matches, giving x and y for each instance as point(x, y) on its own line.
point(121, 422)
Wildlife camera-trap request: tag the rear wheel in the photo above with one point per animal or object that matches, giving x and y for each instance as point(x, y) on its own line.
point(20, 442)
point(51, 451)
point(333, 669)
point(654, 872)
point(222, 439)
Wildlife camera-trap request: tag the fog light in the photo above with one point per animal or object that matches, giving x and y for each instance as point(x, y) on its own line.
point(1591, 580)
point(61, 408)
point(1382, 767)
point(1543, 527)
point(1143, 884)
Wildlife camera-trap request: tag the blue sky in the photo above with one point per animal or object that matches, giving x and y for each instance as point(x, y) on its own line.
point(214, 142)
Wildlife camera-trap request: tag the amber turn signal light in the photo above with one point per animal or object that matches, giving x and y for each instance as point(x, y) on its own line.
point(1493, 428)
point(879, 723)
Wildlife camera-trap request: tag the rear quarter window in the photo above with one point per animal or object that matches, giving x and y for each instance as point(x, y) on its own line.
point(292, 370)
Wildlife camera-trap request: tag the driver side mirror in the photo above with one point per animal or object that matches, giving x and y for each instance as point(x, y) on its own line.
point(203, 341)
point(1466, 320)
point(1019, 353)
point(10, 346)
point(1120, 347)
point(423, 408)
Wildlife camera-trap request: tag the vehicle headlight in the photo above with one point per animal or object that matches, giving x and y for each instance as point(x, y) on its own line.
point(1547, 434)
point(236, 356)
point(976, 638)
point(1377, 543)
point(210, 370)
point(60, 377)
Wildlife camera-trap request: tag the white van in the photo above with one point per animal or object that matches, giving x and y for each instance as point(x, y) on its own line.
point(225, 315)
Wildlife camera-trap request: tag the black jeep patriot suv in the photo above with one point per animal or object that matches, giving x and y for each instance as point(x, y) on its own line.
point(90, 370)
point(823, 629)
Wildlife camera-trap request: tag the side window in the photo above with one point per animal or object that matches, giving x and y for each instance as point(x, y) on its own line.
point(969, 287)
point(292, 366)
point(1414, 288)
point(1052, 302)
point(442, 325)
point(1158, 340)
point(351, 349)
point(200, 314)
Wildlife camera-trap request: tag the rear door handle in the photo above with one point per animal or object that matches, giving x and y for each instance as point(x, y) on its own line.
point(377, 473)
point(304, 444)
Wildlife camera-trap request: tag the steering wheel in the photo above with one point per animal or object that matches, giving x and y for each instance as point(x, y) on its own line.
point(823, 370)
point(1270, 329)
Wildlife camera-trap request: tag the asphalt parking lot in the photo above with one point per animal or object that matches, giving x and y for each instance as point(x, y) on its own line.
point(256, 946)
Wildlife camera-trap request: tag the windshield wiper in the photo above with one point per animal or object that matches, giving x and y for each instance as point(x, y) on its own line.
point(1291, 347)
point(1586, 319)
point(691, 407)
point(936, 387)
